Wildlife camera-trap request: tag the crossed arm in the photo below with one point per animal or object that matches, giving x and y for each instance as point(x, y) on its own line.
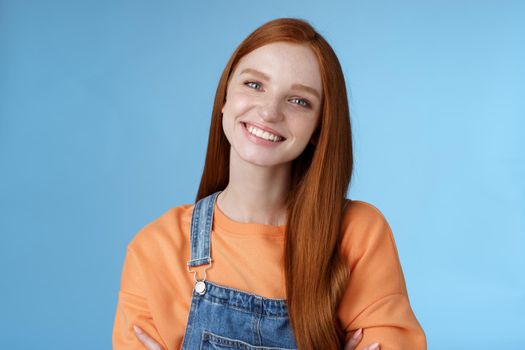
point(151, 344)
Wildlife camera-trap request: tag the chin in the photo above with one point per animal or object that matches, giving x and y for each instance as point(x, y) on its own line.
point(267, 163)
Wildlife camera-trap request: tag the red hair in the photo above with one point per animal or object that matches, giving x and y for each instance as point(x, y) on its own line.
point(315, 272)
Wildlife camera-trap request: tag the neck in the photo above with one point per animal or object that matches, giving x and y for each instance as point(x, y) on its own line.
point(256, 194)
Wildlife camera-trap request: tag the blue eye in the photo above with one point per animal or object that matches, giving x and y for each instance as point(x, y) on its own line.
point(301, 102)
point(253, 84)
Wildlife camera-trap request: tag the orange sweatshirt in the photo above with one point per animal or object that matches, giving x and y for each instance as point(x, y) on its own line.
point(155, 291)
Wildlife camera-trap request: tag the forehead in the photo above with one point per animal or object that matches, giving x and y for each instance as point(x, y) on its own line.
point(284, 62)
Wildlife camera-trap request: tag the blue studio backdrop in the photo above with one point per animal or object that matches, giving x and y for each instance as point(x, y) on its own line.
point(104, 116)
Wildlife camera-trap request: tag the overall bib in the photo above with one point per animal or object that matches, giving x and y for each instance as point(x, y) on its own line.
point(226, 318)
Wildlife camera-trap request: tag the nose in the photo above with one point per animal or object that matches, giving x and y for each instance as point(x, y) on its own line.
point(270, 110)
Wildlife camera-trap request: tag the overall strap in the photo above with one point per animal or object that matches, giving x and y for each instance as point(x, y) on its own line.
point(200, 233)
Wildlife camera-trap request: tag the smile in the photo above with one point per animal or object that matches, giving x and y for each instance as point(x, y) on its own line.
point(253, 136)
point(262, 134)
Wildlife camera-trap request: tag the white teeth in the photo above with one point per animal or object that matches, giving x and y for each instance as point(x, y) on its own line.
point(263, 134)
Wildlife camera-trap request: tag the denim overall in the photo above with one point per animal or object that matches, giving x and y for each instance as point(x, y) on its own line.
point(226, 318)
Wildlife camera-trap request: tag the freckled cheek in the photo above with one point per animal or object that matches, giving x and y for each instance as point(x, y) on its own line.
point(238, 104)
point(302, 128)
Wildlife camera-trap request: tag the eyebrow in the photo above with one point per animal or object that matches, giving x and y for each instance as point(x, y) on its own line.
point(294, 86)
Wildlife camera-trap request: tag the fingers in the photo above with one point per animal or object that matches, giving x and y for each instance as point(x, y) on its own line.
point(373, 346)
point(149, 342)
point(354, 340)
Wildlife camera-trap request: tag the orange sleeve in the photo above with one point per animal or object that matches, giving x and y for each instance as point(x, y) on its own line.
point(132, 308)
point(376, 297)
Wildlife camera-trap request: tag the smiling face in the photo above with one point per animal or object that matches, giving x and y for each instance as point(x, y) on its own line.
point(275, 88)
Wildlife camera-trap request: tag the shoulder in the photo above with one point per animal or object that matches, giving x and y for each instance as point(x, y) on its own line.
point(167, 231)
point(155, 251)
point(364, 226)
point(360, 214)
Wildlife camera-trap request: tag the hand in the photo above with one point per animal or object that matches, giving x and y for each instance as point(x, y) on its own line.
point(148, 342)
point(151, 344)
point(356, 338)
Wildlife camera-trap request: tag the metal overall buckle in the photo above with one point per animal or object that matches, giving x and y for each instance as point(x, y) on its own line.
point(200, 286)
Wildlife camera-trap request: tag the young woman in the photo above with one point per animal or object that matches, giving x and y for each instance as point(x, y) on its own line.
point(272, 255)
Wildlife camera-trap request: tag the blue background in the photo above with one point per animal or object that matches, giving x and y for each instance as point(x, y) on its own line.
point(104, 117)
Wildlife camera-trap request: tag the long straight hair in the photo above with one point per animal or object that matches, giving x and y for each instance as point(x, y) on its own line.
point(315, 272)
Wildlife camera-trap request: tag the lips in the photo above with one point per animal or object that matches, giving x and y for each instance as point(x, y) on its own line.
point(264, 128)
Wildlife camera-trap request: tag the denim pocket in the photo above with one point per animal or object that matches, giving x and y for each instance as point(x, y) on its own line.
point(212, 341)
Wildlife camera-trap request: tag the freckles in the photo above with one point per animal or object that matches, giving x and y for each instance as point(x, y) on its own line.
point(240, 103)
